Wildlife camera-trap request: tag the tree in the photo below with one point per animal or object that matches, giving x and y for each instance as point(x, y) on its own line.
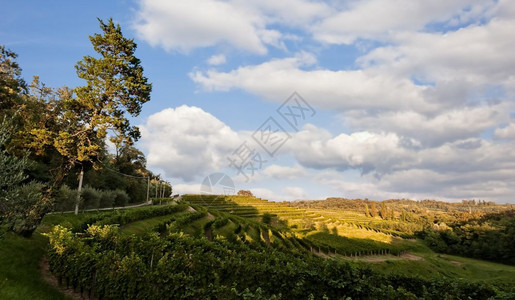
point(12, 86)
point(367, 212)
point(383, 211)
point(70, 126)
point(245, 193)
point(373, 210)
point(266, 218)
point(115, 85)
point(11, 176)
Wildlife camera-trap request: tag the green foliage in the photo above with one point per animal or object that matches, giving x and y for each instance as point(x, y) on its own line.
point(162, 201)
point(90, 197)
point(266, 218)
point(490, 237)
point(113, 266)
point(65, 199)
point(120, 198)
point(115, 85)
point(122, 217)
point(107, 198)
point(11, 82)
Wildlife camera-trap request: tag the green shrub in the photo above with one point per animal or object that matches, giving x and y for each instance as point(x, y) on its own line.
point(90, 198)
point(121, 198)
point(266, 218)
point(65, 199)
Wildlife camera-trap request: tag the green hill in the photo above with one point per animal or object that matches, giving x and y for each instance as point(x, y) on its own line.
point(237, 247)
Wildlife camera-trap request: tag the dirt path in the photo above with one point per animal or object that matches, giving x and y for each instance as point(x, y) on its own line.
point(208, 232)
point(52, 280)
point(266, 236)
point(383, 258)
point(102, 209)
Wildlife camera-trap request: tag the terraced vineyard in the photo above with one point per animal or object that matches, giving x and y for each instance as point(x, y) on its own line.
point(321, 233)
point(223, 247)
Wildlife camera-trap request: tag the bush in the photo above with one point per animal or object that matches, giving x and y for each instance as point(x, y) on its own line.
point(107, 198)
point(266, 218)
point(65, 199)
point(21, 208)
point(90, 198)
point(121, 198)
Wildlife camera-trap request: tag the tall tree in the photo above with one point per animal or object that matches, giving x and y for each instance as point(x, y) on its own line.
point(115, 86)
point(383, 211)
point(12, 86)
point(367, 212)
point(373, 210)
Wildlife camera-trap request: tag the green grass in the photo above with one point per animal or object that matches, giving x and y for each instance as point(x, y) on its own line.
point(20, 276)
point(450, 266)
point(142, 226)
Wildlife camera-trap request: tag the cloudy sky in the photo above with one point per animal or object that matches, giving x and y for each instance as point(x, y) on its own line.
point(394, 99)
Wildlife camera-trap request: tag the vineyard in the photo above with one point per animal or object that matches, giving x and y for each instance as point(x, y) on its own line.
point(322, 232)
point(241, 247)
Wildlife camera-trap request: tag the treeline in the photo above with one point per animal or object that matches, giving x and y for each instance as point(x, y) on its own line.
point(399, 205)
point(489, 237)
point(103, 263)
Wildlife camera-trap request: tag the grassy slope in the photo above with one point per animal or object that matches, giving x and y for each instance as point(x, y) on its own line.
point(20, 276)
point(432, 264)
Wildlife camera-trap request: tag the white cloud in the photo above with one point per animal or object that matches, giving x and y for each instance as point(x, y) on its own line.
point(507, 132)
point(421, 109)
point(288, 193)
point(185, 25)
point(479, 54)
point(340, 90)
point(182, 188)
point(186, 142)
point(449, 125)
point(294, 192)
point(377, 19)
point(283, 172)
point(370, 152)
point(215, 60)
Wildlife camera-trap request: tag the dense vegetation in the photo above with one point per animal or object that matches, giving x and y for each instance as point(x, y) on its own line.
point(53, 138)
point(490, 237)
point(113, 266)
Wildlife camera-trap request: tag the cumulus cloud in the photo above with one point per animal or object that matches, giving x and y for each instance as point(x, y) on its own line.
point(283, 172)
point(480, 54)
point(286, 194)
point(427, 106)
point(244, 25)
point(376, 19)
point(339, 90)
point(449, 125)
point(186, 142)
point(185, 25)
point(507, 132)
point(216, 60)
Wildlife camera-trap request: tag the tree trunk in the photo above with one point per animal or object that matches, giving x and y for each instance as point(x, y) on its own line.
point(81, 176)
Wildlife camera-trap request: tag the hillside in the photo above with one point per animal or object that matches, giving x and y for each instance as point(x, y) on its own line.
point(235, 247)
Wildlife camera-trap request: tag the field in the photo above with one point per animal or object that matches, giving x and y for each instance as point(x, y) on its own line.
point(238, 224)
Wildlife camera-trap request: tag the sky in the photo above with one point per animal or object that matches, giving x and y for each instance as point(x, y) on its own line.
point(299, 99)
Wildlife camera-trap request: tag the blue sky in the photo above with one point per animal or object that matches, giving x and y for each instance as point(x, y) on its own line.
point(413, 99)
